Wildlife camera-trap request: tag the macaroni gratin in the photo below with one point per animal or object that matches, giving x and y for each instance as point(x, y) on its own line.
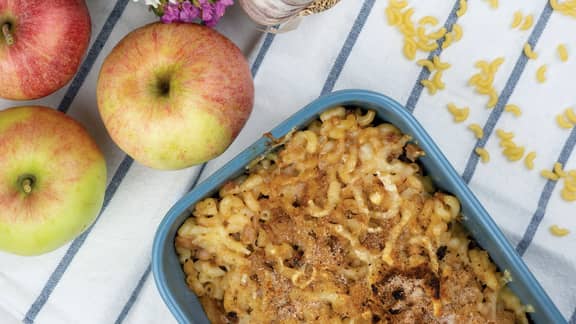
point(339, 224)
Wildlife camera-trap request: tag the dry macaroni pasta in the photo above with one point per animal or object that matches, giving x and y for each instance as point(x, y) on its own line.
point(483, 154)
point(567, 7)
point(529, 160)
point(529, 52)
point(568, 193)
point(518, 17)
point(528, 22)
point(463, 7)
point(549, 175)
point(511, 150)
point(562, 52)
point(541, 73)
point(570, 115)
point(477, 130)
point(513, 109)
point(483, 80)
point(558, 231)
point(415, 36)
point(562, 121)
point(493, 3)
point(459, 114)
point(337, 226)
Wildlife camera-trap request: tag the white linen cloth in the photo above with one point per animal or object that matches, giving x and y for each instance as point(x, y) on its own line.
point(104, 276)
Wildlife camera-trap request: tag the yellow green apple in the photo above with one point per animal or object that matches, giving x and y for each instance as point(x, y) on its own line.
point(174, 95)
point(52, 180)
point(41, 45)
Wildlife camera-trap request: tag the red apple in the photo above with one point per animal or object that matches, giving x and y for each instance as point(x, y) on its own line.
point(52, 180)
point(174, 95)
point(41, 45)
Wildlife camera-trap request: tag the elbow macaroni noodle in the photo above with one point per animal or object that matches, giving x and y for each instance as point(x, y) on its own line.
point(529, 160)
point(562, 52)
point(567, 120)
point(493, 3)
point(541, 73)
point(529, 52)
point(339, 225)
point(463, 7)
point(513, 109)
point(459, 114)
point(567, 7)
point(415, 35)
point(483, 154)
point(477, 130)
point(483, 81)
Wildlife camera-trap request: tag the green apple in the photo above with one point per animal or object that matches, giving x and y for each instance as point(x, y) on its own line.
point(52, 180)
point(174, 95)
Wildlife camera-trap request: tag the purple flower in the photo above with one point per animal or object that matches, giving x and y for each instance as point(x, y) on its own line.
point(171, 13)
point(188, 12)
point(219, 9)
point(209, 11)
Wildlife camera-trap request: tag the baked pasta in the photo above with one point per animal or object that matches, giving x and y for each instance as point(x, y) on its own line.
point(339, 224)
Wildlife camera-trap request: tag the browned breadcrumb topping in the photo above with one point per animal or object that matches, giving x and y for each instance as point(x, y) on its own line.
point(339, 225)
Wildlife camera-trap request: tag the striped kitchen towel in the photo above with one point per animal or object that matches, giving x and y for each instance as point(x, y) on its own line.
point(104, 275)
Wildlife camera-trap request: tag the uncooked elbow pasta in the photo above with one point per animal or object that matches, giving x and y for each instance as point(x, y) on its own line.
point(459, 114)
point(493, 3)
point(483, 154)
point(477, 130)
point(541, 73)
point(550, 175)
point(510, 149)
point(415, 35)
point(567, 120)
point(562, 52)
point(338, 225)
point(559, 231)
point(463, 7)
point(513, 109)
point(483, 80)
point(529, 52)
point(568, 193)
point(567, 8)
point(522, 22)
point(529, 160)
point(518, 17)
point(528, 22)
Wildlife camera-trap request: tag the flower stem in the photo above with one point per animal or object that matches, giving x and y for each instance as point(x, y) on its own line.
point(7, 35)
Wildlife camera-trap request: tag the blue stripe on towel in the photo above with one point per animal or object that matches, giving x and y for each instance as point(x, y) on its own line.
point(76, 245)
point(85, 68)
point(506, 93)
point(134, 295)
point(93, 53)
point(424, 73)
point(138, 289)
point(545, 197)
point(262, 53)
point(347, 47)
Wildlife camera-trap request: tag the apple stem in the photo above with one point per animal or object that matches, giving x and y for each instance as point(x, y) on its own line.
point(7, 35)
point(27, 185)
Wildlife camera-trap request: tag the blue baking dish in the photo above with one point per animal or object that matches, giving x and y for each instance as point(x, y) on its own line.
point(186, 308)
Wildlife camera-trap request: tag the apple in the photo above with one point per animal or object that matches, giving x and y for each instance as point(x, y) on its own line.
point(174, 95)
point(41, 45)
point(52, 180)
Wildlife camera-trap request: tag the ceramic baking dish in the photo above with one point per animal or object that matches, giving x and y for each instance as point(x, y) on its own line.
point(183, 303)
